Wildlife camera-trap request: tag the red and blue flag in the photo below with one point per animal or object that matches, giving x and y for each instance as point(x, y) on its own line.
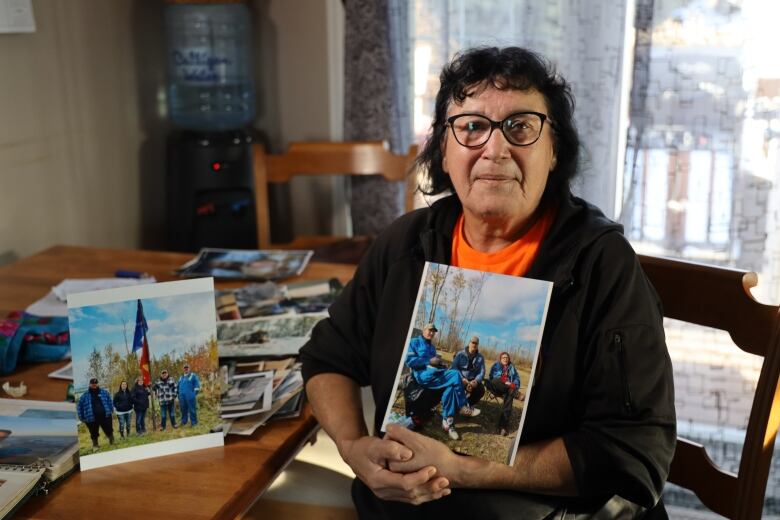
point(140, 343)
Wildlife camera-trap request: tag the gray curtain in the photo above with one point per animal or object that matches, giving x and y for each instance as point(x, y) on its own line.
point(377, 102)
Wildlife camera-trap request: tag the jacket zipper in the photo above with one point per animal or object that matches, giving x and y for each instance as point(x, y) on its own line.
point(618, 340)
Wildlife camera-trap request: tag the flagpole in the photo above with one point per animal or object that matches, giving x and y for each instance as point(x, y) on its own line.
point(151, 383)
point(141, 342)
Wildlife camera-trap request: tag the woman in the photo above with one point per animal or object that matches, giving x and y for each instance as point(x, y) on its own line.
point(140, 405)
point(599, 431)
point(123, 403)
point(504, 381)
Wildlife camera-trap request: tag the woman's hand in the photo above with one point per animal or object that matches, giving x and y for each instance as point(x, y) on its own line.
point(336, 403)
point(427, 452)
point(369, 457)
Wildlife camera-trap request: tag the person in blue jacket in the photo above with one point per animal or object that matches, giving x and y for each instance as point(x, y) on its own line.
point(95, 409)
point(504, 382)
point(471, 365)
point(189, 386)
point(429, 372)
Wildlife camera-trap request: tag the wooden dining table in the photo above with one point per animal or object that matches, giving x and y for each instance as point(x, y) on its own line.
point(218, 482)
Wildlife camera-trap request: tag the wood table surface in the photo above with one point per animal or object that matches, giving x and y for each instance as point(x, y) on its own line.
point(211, 483)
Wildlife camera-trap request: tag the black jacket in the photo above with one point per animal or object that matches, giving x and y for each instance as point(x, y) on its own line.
point(140, 397)
point(605, 379)
point(123, 401)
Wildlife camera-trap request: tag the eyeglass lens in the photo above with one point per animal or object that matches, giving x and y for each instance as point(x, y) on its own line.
point(519, 129)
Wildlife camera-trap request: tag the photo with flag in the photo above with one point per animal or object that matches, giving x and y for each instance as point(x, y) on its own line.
point(140, 343)
point(160, 339)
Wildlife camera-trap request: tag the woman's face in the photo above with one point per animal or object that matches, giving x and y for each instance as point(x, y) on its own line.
point(499, 181)
point(504, 359)
point(123, 385)
point(139, 381)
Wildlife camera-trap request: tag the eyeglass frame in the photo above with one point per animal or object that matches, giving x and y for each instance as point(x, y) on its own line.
point(497, 124)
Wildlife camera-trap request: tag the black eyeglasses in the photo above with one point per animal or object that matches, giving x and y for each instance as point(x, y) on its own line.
point(474, 130)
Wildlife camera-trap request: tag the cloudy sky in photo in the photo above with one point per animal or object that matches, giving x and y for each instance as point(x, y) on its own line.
point(175, 323)
point(509, 313)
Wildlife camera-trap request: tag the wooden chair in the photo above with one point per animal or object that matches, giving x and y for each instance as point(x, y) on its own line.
point(324, 158)
point(720, 298)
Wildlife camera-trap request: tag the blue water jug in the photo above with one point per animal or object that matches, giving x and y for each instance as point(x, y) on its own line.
point(210, 83)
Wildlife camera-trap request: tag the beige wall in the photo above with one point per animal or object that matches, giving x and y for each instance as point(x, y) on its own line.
point(69, 129)
point(309, 97)
point(82, 126)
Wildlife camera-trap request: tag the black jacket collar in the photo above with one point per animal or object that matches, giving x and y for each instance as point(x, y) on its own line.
point(577, 224)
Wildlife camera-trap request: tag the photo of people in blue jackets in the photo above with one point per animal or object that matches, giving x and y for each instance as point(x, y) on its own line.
point(468, 361)
point(168, 408)
point(145, 371)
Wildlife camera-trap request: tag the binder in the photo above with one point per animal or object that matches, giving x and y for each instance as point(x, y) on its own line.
point(17, 484)
point(38, 447)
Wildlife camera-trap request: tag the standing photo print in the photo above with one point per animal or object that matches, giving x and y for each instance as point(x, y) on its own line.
point(145, 369)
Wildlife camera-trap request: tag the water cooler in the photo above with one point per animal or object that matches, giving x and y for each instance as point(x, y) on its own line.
point(210, 193)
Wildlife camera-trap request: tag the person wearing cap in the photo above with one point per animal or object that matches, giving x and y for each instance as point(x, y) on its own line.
point(471, 365)
point(504, 382)
point(166, 392)
point(189, 386)
point(429, 372)
point(95, 409)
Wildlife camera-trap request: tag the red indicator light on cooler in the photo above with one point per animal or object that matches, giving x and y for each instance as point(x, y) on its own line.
point(216, 166)
point(207, 208)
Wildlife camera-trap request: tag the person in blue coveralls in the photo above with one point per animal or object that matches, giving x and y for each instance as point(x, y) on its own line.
point(471, 365)
point(189, 386)
point(95, 409)
point(429, 372)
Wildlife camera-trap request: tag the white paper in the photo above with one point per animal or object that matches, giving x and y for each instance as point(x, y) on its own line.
point(54, 303)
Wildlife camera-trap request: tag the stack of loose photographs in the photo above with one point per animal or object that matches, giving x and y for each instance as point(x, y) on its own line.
point(261, 328)
point(244, 264)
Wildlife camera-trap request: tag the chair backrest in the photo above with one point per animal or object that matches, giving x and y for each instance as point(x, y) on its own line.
point(720, 298)
point(326, 158)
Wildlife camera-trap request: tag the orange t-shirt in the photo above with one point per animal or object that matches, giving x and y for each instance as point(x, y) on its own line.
point(515, 259)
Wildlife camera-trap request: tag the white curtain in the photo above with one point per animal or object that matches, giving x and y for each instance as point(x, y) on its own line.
point(585, 41)
point(585, 38)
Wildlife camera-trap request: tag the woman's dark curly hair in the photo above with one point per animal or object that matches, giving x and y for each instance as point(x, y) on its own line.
point(507, 68)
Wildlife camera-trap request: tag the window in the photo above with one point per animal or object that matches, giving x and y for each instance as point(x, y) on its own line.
point(700, 174)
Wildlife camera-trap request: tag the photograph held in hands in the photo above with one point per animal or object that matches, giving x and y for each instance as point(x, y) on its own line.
point(470, 354)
